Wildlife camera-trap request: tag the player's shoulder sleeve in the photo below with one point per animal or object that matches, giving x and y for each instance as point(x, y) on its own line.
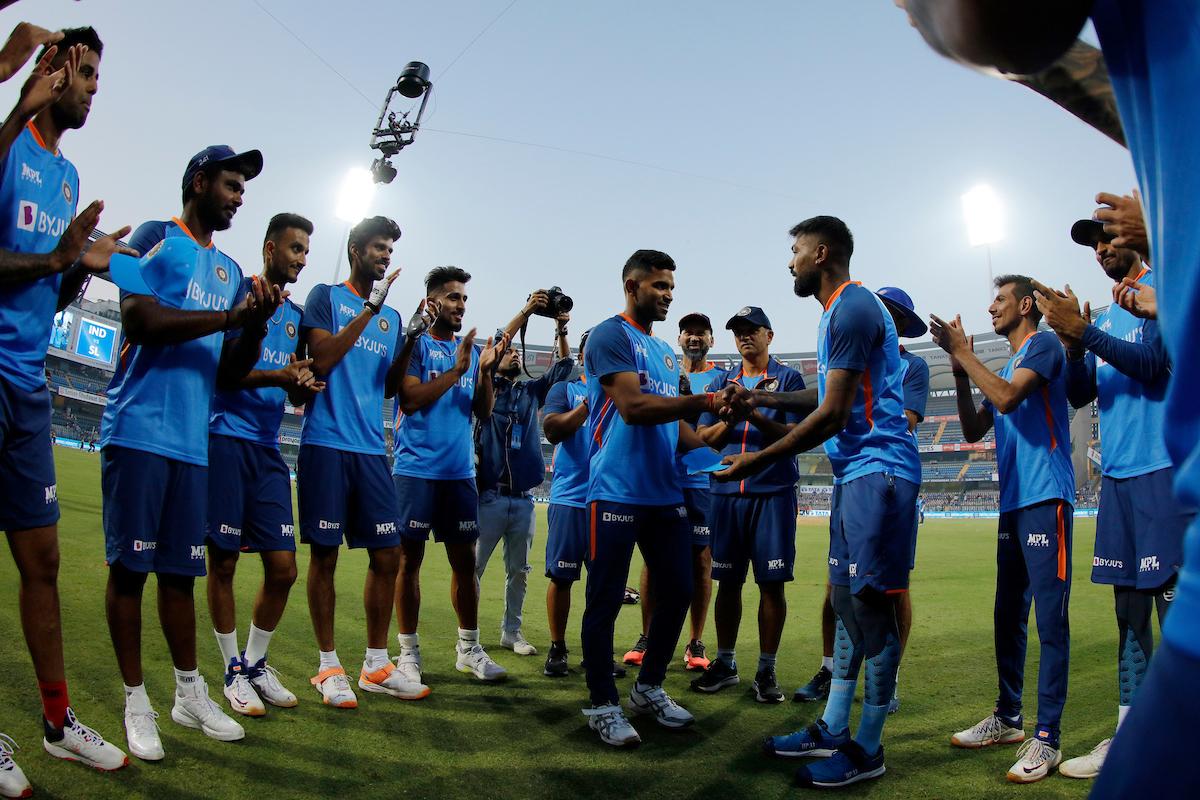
point(557, 400)
point(855, 327)
point(1044, 355)
point(147, 235)
point(318, 311)
point(791, 379)
point(609, 350)
point(417, 360)
point(916, 386)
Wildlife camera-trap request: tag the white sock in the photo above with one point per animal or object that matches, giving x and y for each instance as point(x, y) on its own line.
point(1122, 712)
point(186, 680)
point(827, 662)
point(257, 642)
point(468, 639)
point(329, 659)
point(376, 658)
point(408, 641)
point(229, 646)
point(136, 697)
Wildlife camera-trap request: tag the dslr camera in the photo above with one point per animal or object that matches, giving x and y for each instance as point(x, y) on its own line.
point(556, 303)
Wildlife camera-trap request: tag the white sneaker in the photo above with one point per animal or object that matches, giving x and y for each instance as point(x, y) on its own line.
point(81, 743)
point(389, 680)
point(1086, 766)
point(517, 643)
point(197, 710)
point(241, 695)
point(265, 680)
point(141, 731)
point(13, 782)
point(477, 662)
point(408, 664)
point(334, 688)
point(654, 700)
point(987, 732)
point(610, 723)
point(1035, 759)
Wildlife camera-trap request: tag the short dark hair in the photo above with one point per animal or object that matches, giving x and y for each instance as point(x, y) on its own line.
point(647, 261)
point(281, 222)
point(440, 276)
point(830, 230)
point(72, 36)
point(371, 228)
point(209, 171)
point(1022, 288)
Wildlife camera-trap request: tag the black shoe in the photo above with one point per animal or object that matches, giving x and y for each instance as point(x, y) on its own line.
point(556, 661)
point(635, 655)
point(716, 677)
point(766, 688)
point(816, 689)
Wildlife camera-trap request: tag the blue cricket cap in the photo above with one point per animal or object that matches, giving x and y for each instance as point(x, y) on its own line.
point(249, 163)
point(163, 272)
point(894, 297)
point(749, 316)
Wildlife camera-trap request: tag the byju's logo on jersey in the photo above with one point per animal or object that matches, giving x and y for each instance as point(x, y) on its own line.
point(290, 329)
point(27, 213)
point(1038, 540)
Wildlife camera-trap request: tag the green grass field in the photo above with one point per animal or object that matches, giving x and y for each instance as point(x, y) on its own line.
point(526, 738)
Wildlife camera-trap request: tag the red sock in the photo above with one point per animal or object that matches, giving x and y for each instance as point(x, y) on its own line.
point(54, 701)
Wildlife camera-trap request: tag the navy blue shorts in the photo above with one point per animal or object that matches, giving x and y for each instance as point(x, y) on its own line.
point(448, 508)
point(341, 493)
point(871, 525)
point(698, 503)
point(758, 529)
point(566, 542)
point(154, 512)
point(1139, 531)
point(28, 491)
point(918, 518)
point(249, 497)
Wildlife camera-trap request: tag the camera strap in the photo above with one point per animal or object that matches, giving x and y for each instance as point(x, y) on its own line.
point(524, 368)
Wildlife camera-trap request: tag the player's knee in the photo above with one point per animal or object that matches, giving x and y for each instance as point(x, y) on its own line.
point(385, 562)
point(281, 576)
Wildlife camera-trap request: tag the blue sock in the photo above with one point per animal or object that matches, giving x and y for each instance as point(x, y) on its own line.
point(837, 706)
point(870, 727)
point(726, 657)
point(766, 660)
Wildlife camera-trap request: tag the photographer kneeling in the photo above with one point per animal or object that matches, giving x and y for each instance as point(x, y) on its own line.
point(510, 460)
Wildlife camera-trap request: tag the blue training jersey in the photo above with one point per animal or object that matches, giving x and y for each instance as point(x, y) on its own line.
point(699, 381)
point(746, 438)
point(256, 414)
point(160, 397)
point(630, 463)
point(436, 442)
point(1152, 51)
point(348, 415)
point(40, 189)
point(1033, 444)
point(569, 485)
point(857, 333)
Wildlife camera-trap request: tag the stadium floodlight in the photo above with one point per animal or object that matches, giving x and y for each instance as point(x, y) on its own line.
point(984, 215)
point(354, 198)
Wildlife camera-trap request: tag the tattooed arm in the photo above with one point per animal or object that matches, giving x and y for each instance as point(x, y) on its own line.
point(1078, 82)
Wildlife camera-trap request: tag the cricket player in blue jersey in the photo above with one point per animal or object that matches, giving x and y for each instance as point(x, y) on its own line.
point(860, 419)
point(176, 304)
point(635, 420)
point(753, 521)
point(250, 496)
point(359, 348)
point(1027, 404)
point(1153, 61)
point(447, 380)
point(1119, 362)
point(43, 264)
point(695, 340)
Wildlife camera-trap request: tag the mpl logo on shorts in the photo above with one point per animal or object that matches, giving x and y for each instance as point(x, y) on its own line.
point(1038, 540)
point(229, 530)
point(287, 530)
point(1149, 564)
point(385, 528)
point(609, 516)
point(327, 525)
point(51, 493)
point(1112, 563)
point(139, 546)
point(198, 552)
point(775, 563)
point(467, 525)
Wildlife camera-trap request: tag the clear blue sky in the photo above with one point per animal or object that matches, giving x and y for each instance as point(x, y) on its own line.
point(776, 111)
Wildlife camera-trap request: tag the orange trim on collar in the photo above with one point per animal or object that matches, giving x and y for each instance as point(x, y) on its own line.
point(37, 137)
point(1141, 274)
point(838, 291)
point(708, 366)
point(191, 235)
point(633, 322)
point(1024, 341)
point(350, 286)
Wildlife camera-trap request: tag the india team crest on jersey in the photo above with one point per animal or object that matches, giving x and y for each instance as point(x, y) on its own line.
point(383, 324)
point(66, 189)
point(223, 274)
point(669, 361)
point(290, 329)
point(768, 385)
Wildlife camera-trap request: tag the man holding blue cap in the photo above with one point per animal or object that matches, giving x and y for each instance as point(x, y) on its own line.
point(176, 304)
point(753, 521)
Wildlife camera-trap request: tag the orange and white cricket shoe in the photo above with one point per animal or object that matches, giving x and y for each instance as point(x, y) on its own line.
point(334, 688)
point(389, 680)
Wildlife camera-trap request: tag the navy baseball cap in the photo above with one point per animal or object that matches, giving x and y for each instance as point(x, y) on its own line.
point(693, 319)
point(249, 163)
point(1089, 233)
point(163, 272)
point(749, 315)
point(893, 297)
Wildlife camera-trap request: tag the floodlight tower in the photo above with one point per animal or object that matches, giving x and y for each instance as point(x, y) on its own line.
point(984, 215)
